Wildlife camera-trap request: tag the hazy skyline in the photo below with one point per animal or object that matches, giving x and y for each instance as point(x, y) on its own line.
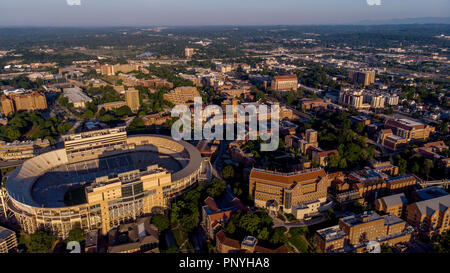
point(211, 12)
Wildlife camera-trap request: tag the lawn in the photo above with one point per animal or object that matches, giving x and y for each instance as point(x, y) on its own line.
point(179, 236)
point(297, 238)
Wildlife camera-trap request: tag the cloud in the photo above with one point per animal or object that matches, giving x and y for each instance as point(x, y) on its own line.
point(77, 2)
point(374, 2)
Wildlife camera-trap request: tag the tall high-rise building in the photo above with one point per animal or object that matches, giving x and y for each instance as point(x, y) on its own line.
point(132, 99)
point(364, 77)
point(354, 99)
point(311, 137)
point(188, 52)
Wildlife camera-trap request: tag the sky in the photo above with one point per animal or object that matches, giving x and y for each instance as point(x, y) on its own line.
point(211, 12)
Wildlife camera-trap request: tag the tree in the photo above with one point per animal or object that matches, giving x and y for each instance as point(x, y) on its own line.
point(188, 223)
point(88, 114)
point(249, 223)
point(333, 161)
point(160, 221)
point(137, 123)
point(41, 242)
point(386, 249)
point(230, 228)
point(402, 165)
point(263, 234)
point(76, 234)
point(216, 188)
point(427, 166)
point(228, 172)
point(442, 243)
point(415, 168)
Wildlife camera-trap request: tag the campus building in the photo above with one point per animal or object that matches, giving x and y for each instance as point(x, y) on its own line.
point(363, 77)
point(182, 95)
point(353, 233)
point(28, 101)
point(285, 83)
point(18, 150)
point(393, 204)
point(188, 52)
point(76, 96)
point(431, 216)
point(132, 99)
point(300, 193)
point(111, 70)
point(216, 214)
point(409, 129)
point(139, 237)
point(249, 244)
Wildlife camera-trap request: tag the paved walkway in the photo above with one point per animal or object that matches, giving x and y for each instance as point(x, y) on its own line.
point(301, 223)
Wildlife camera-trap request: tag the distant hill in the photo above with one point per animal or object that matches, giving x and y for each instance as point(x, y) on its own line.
point(403, 21)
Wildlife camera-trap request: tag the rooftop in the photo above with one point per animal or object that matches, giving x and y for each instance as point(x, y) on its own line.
point(4, 232)
point(431, 192)
point(331, 233)
point(76, 95)
point(396, 199)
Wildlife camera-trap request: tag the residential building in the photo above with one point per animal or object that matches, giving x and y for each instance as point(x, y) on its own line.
point(29, 101)
point(111, 105)
point(111, 70)
point(353, 98)
point(188, 52)
point(182, 95)
point(132, 99)
point(363, 77)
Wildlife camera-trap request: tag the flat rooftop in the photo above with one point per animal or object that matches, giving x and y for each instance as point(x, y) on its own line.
point(76, 95)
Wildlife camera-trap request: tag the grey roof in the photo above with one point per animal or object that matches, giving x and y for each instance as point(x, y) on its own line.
point(4, 233)
point(431, 192)
point(126, 236)
point(429, 207)
point(396, 199)
point(391, 219)
point(76, 95)
point(331, 233)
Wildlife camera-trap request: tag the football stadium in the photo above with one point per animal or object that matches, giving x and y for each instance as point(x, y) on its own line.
point(99, 180)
